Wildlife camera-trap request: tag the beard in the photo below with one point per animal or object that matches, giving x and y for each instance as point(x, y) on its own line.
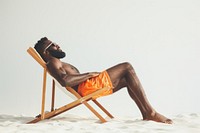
point(57, 54)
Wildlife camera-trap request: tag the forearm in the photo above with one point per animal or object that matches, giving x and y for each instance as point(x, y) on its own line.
point(73, 80)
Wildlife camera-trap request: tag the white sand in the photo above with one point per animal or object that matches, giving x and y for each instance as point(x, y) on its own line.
point(184, 123)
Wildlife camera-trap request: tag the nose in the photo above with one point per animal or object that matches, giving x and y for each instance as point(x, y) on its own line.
point(57, 46)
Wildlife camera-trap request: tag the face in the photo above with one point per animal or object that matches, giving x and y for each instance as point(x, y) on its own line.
point(54, 50)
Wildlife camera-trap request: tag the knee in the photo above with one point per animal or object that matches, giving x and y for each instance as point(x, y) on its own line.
point(128, 66)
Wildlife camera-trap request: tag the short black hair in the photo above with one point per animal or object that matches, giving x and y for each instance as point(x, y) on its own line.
point(40, 44)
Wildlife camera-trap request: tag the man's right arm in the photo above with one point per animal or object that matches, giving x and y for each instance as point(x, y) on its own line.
point(67, 78)
point(76, 79)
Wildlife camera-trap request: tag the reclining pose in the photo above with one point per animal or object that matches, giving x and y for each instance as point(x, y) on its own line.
point(116, 77)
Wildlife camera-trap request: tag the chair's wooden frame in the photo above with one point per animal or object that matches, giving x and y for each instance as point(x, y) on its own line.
point(80, 99)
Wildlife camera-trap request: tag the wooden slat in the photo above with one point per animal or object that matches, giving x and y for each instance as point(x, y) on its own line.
point(35, 55)
point(53, 95)
point(43, 93)
point(102, 108)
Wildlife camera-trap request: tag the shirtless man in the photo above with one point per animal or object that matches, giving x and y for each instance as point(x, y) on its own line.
point(121, 75)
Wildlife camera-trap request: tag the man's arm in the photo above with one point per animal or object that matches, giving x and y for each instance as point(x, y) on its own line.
point(67, 78)
point(76, 79)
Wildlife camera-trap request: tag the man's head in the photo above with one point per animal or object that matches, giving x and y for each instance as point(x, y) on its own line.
point(47, 48)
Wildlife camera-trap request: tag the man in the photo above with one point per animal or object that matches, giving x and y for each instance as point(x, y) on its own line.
point(116, 77)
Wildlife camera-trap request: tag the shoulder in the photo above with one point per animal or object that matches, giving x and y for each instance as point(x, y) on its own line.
point(55, 68)
point(54, 63)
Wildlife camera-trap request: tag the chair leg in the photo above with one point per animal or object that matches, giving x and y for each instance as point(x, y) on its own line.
point(102, 108)
point(53, 95)
point(94, 111)
point(43, 93)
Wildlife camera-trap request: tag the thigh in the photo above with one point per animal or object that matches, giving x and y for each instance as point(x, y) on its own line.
point(120, 85)
point(117, 73)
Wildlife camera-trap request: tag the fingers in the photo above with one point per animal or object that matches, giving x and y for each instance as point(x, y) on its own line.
point(94, 74)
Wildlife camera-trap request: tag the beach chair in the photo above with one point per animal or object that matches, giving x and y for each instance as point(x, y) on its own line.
point(78, 100)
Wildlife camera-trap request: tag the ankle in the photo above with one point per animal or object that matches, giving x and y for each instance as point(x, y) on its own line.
point(150, 114)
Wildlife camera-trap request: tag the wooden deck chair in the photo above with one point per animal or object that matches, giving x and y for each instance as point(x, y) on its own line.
point(78, 101)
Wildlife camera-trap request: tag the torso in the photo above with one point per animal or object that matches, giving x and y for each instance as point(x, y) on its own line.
point(69, 68)
point(65, 68)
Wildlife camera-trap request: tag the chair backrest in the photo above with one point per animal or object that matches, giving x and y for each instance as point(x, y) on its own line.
point(36, 56)
point(39, 59)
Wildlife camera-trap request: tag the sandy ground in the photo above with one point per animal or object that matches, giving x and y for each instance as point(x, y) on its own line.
point(183, 123)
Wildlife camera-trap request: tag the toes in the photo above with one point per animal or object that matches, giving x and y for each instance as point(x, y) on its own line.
point(168, 121)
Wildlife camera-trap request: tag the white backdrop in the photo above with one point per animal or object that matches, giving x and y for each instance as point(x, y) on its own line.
point(159, 38)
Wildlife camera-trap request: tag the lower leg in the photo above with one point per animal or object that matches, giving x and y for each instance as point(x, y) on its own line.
point(135, 90)
point(123, 84)
point(137, 94)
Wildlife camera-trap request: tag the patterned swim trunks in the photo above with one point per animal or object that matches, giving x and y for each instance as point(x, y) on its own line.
point(93, 84)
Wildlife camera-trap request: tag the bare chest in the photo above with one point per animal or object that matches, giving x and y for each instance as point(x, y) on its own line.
point(68, 68)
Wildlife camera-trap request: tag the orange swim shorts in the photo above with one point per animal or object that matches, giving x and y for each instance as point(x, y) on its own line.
point(93, 84)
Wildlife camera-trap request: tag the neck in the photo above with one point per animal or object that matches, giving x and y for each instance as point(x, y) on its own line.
point(48, 58)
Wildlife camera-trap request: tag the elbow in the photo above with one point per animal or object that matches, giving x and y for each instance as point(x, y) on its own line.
point(65, 83)
point(62, 84)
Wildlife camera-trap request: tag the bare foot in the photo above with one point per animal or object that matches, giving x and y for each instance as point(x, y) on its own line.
point(159, 118)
